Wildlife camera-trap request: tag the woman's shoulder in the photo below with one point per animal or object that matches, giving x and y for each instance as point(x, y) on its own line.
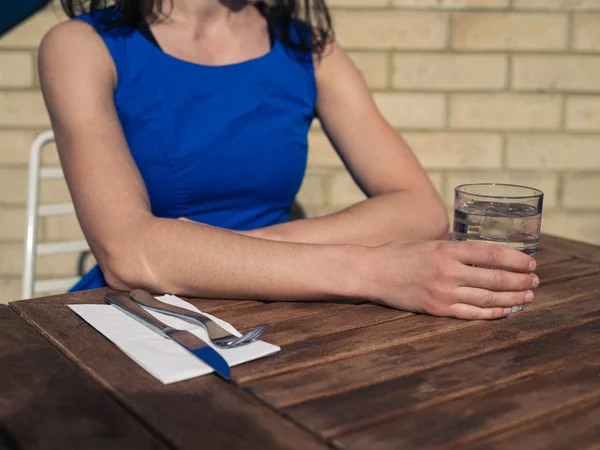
point(72, 35)
point(71, 45)
point(86, 28)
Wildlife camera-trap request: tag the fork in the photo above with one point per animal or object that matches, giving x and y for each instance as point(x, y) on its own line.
point(217, 334)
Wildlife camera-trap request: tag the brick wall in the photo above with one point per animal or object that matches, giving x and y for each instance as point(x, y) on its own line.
point(484, 90)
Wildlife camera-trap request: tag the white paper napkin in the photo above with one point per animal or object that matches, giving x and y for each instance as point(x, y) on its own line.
point(164, 359)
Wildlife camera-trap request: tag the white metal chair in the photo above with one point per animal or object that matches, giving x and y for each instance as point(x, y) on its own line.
point(34, 210)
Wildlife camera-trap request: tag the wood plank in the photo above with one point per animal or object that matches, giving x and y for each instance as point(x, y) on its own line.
point(337, 377)
point(476, 416)
point(582, 250)
point(296, 328)
point(335, 415)
point(331, 348)
point(352, 317)
point(274, 313)
point(579, 427)
point(547, 256)
point(566, 270)
point(47, 403)
point(289, 319)
point(95, 296)
point(204, 411)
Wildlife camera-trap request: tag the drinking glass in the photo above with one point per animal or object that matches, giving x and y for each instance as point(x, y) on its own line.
point(504, 214)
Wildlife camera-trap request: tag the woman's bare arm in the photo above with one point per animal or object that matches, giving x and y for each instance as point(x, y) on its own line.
point(137, 250)
point(133, 247)
point(402, 203)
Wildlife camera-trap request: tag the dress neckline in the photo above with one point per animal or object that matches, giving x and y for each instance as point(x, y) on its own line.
point(144, 30)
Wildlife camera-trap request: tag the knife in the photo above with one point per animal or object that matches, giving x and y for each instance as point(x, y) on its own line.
point(187, 340)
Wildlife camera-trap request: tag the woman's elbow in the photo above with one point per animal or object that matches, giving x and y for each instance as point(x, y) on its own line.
point(124, 271)
point(119, 277)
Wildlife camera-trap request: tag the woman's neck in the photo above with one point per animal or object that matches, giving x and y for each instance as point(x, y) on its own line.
point(201, 12)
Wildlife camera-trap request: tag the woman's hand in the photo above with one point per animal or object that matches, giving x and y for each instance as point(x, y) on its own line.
point(439, 278)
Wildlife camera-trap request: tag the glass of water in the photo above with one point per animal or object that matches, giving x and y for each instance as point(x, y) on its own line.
point(503, 214)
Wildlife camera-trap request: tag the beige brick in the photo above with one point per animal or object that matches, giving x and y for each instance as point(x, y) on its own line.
point(558, 5)
point(10, 289)
point(582, 191)
point(556, 73)
point(391, 29)
point(16, 69)
point(374, 67)
point(505, 111)
point(456, 150)
point(452, 4)
point(359, 3)
point(61, 228)
point(314, 190)
point(13, 186)
point(12, 256)
point(449, 72)
point(30, 33)
point(320, 151)
point(54, 191)
point(560, 152)
point(509, 31)
point(14, 147)
point(405, 110)
point(316, 126)
point(586, 32)
point(583, 113)
point(344, 191)
point(578, 226)
point(64, 265)
point(547, 183)
point(23, 109)
point(437, 179)
point(12, 223)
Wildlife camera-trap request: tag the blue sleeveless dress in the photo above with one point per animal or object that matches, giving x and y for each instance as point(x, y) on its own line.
point(222, 145)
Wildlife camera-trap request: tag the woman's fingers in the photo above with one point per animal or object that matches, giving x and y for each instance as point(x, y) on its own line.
point(497, 280)
point(494, 255)
point(470, 312)
point(484, 298)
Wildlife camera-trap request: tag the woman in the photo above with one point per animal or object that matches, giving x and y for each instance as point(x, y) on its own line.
point(199, 110)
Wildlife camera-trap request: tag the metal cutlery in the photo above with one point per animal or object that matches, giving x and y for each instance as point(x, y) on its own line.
point(187, 340)
point(219, 336)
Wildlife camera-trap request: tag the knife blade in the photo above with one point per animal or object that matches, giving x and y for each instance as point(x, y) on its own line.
point(187, 340)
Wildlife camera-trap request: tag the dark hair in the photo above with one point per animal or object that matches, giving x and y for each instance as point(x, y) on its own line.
point(295, 18)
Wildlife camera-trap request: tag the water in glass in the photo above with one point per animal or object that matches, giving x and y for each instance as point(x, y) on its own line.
point(514, 225)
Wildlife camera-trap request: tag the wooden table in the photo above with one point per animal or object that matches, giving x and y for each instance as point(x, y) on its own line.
point(355, 376)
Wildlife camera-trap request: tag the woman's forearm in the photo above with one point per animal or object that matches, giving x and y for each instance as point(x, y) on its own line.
point(378, 220)
point(184, 258)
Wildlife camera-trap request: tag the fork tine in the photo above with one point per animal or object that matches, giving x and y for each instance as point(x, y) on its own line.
point(248, 337)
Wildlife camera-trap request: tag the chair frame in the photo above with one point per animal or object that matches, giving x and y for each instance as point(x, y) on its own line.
point(37, 173)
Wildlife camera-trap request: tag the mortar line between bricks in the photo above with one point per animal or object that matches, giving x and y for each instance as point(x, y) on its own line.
point(504, 152)
point(440, 10)
point(509, 73)
point(391, 72)
point(570, 31)
point(406, 90)
point(560, 187)
point(563, 114)
point(426, 51)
